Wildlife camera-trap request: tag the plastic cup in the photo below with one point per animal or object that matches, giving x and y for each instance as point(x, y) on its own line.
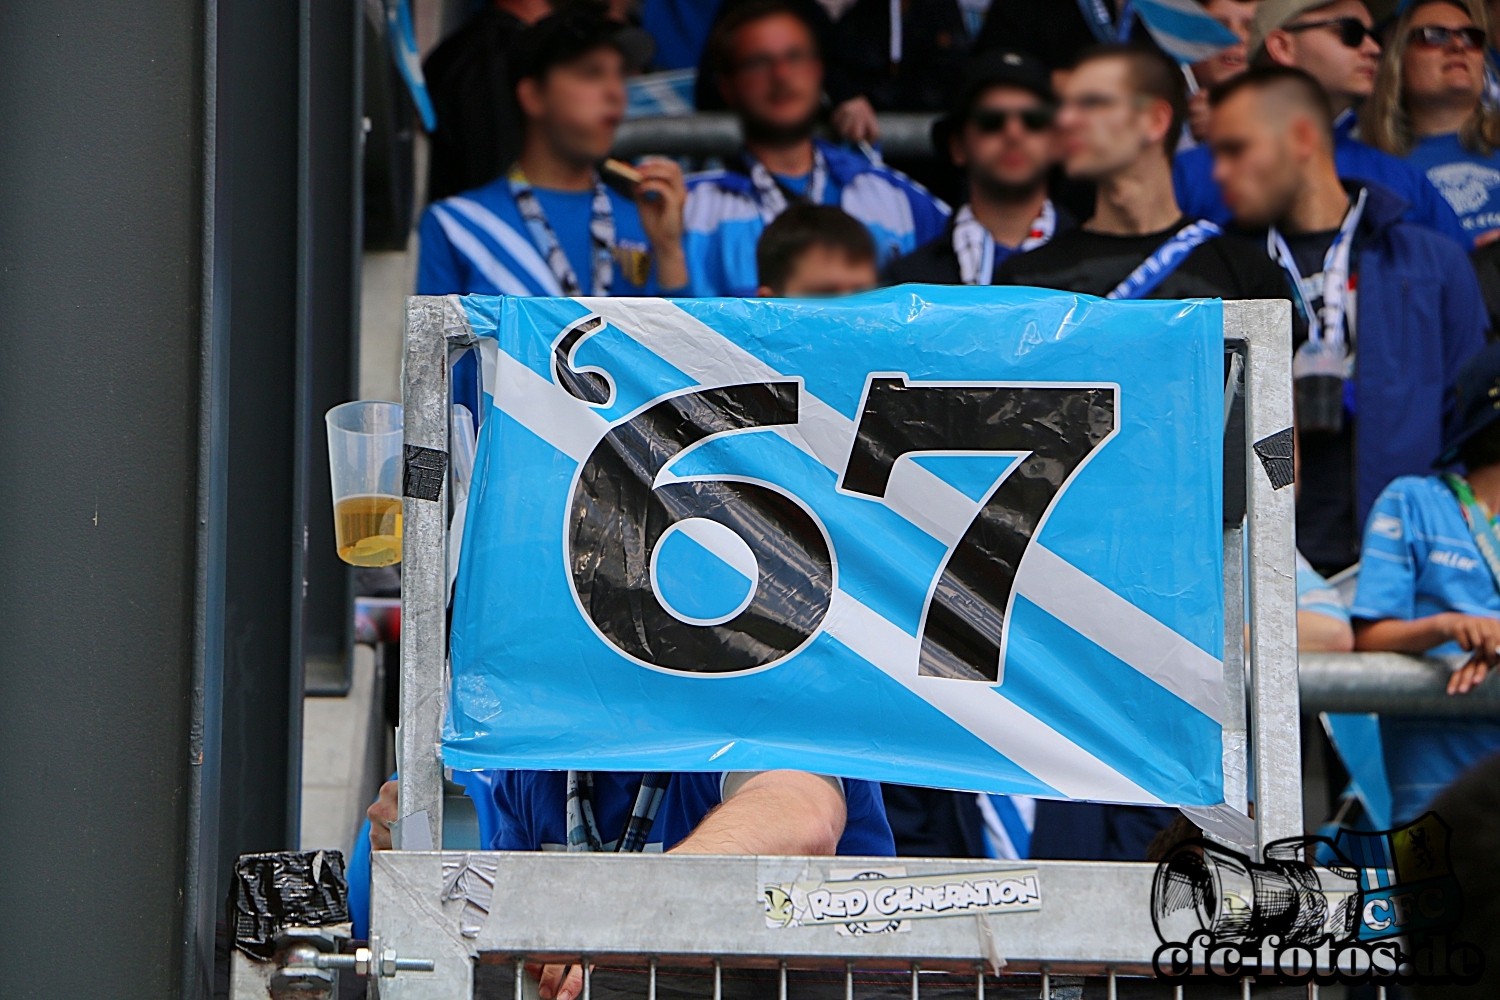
point(364, 457)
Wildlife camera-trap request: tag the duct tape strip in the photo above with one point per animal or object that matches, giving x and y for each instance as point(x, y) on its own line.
point(471, 878)
point(1275, 454)
point(425, 468)
point(273, 891)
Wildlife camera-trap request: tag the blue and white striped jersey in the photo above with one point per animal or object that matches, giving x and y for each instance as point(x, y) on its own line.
point(477, 243)
point(723, 218)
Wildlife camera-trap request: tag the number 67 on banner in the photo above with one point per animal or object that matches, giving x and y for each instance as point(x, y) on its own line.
point(618, 517)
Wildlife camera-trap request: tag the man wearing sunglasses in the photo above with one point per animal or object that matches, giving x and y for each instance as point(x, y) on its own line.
point(1334, 44)
point(770, 72)
point(1001, 134)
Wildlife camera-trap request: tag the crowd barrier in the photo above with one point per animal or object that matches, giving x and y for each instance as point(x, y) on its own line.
point(470, 910)
point(902, 135)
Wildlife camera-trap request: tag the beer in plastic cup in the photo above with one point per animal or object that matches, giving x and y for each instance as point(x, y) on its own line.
point(364, 457)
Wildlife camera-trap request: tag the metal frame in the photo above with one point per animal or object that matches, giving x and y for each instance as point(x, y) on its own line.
point(707, 911)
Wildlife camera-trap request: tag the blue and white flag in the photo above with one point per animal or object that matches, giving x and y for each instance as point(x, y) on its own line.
point(660, 95)
point(403, 39)
point(1183, 29)
point(959, 537)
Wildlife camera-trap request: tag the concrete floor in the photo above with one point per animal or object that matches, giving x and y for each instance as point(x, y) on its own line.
point(343, 758)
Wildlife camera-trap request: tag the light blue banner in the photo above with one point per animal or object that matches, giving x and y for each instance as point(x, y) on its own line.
point(959, 537)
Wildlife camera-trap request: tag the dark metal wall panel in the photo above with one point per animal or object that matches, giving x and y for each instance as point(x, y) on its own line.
point(100, 287)
point(258, 101)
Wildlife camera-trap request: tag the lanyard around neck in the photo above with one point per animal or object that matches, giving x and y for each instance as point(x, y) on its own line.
point(601, 236)
point(774, 197)
point(1329, 323)
point(1480, 524)
point(1156, 268)
point(582, 815)
point(975, 247)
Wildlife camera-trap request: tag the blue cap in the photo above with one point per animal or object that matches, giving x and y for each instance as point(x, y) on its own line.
point(1477, 399)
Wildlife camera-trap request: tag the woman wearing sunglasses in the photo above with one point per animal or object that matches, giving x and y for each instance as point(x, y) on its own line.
point(1428, 106)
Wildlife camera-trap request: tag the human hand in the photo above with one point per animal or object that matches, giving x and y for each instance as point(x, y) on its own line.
point(382, 814)
point(1468, 677)
point(560, 982)
point(1478, 636)
point(855, 121)
point(1486, 238)
point(660, 196)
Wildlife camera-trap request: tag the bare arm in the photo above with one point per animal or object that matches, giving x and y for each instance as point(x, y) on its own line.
point(775, 812)
point(1474, 634)
point(1318, 633)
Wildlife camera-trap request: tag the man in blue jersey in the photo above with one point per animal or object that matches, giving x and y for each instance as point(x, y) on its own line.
point(1334, 44)
point(1429, 582)
point(770, 72)
point(551, 226)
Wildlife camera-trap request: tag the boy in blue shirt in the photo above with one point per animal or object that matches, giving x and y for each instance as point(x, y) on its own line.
point(1429, 582)
point(551, 226)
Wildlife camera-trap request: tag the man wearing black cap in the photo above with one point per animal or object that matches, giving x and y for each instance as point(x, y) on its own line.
point(1428, 584)
point(551, 227)
point(1001, 134)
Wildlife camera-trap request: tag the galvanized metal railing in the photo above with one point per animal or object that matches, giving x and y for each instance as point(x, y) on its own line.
point(464, 908)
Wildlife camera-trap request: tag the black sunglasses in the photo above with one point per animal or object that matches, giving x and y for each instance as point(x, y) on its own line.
point(1352, 31)
point(1437, 37)
point(992, 120)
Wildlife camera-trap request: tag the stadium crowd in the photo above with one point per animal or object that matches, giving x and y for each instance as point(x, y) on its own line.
point(1349, 166)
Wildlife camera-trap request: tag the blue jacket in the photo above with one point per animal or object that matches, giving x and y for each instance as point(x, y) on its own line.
point(1420, 317)
point(1193, 177)
point(722, 219)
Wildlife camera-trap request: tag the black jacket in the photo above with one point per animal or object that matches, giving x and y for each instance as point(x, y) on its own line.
point(932, 823)
point(478, 124)
point(934, 46)
point(935, 263)
point(1052, 30)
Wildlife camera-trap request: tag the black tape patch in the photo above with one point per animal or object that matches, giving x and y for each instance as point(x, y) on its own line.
point(272, 891)
point(1276, 455)
point(425, 468)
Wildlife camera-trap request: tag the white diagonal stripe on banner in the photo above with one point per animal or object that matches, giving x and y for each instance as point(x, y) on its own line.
point(545, 409)
point(1090, 608)
point(706, 355)
point(1023, 738)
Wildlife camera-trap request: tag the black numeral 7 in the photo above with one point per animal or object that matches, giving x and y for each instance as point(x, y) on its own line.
point(1056, 429)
